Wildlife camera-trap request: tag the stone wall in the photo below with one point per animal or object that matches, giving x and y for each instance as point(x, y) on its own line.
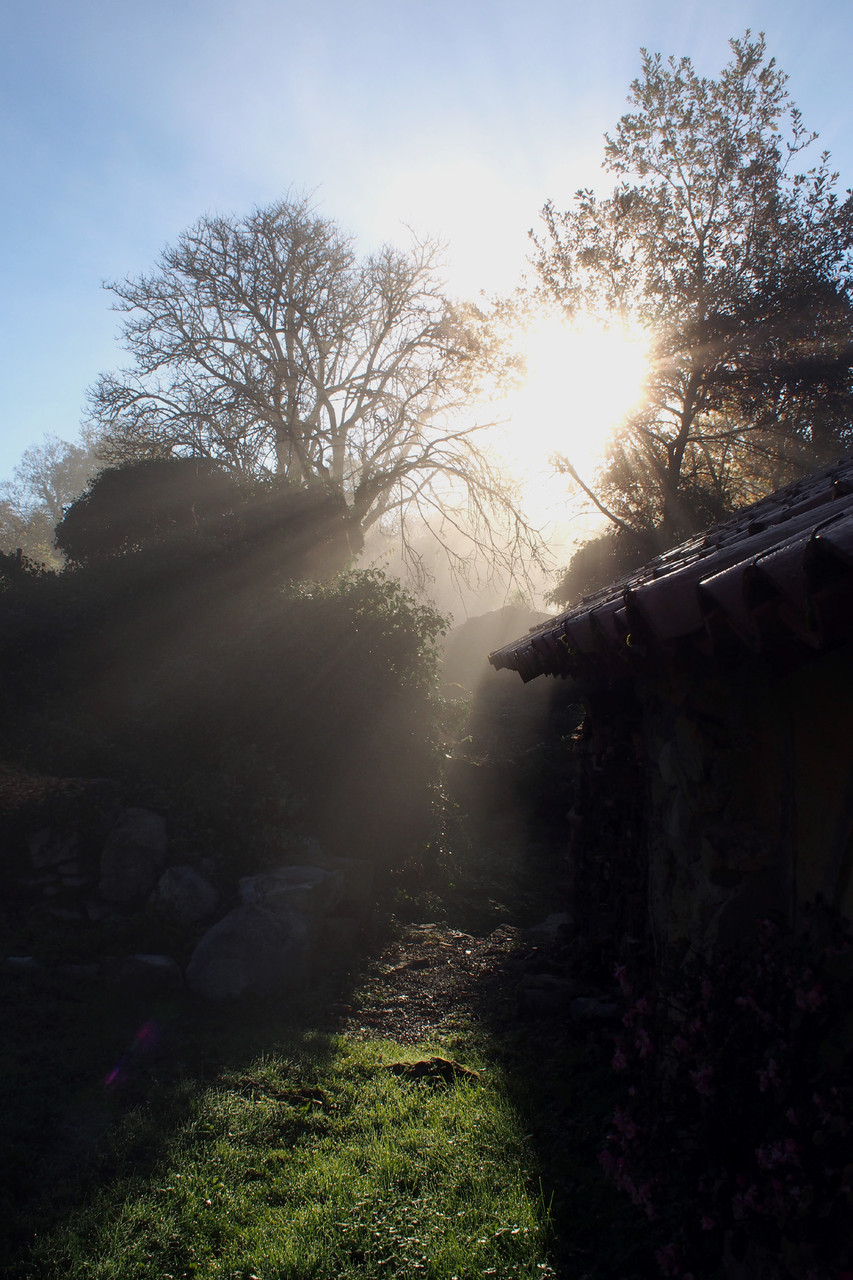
point(750, 790)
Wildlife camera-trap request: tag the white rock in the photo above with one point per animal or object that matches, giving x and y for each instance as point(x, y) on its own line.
point(310, 889)
point(252, 951)
point(147, 974)
point(133, 857)
point(185, 894)
point(48, 848)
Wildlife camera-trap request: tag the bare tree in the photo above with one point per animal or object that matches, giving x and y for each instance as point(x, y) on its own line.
point(267, 344)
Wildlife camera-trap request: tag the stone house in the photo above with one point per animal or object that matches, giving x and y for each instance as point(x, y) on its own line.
point(724, 669)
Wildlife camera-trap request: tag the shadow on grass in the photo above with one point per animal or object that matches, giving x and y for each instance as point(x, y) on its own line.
point(558, 1079)
point(98, 1087)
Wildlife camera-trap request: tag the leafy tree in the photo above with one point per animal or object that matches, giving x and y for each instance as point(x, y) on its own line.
point(738, 270)
point(48, 478)
point(125, 509)
point(180, 509)
point(266, 344)
point(601, 560)
point(19, 532)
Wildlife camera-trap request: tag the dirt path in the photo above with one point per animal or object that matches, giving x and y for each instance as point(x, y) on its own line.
point(432, 980)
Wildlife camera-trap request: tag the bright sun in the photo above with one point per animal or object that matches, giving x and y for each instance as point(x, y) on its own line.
point(581, 382)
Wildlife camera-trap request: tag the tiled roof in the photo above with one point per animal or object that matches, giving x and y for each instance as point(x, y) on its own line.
point(776, 577)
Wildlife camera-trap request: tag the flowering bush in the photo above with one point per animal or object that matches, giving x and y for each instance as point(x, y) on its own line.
point(734, 1137)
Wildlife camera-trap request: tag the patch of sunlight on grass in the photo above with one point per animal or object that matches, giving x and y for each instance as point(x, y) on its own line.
point(300, 1168)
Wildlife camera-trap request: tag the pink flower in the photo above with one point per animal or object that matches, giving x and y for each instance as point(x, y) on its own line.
point(667, 1260)
point(702, 1081)
point(624, 1124)
point(644, 1043)
point(619, 1062)
point(768, 1075)
point(776, 1153)
point(680, 1045)
point(644, 1198)
point(748, 1002)
point(708, 1224)
point(769, 1156)
point(620, 973)
point(640, 1008)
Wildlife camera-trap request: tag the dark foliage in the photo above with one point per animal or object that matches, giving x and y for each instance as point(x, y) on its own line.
point(193, 506)
point(125, 509)
point(733, 1137)
point(252, 708)
point(603, 560)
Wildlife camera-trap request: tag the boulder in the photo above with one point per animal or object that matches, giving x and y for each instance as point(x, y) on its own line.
point(81, 972)
point(133, 857)
point(146, 975)
point(358, 875)
point(591, 1009)
point(97, 911)
point(544, 995)
point(549, 929)
point(252, 951)
point(49, 848)
point(70, 915)
point(184, 894)
point(21, 964)
point(310, 889)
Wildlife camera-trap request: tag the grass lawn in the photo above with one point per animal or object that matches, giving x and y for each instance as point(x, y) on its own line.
point(167, 1140)
point(175, 1143)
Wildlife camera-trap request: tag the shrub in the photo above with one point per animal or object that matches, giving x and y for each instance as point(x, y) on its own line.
point(734, 1134)
point(244, 704)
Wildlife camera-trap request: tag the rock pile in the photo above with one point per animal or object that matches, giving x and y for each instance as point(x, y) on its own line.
point(277, 928)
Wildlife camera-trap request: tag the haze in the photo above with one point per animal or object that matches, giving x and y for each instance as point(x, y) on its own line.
point(121, 126)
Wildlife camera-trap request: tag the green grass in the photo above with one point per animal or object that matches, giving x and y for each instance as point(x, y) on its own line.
point(309, 1159)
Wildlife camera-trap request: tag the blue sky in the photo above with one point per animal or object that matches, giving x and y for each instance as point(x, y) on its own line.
point(120, 124)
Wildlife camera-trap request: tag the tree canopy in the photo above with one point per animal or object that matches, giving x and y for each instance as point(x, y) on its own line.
point(129, 508)
point(266, 344)
point(178, 509)
point(48, 478)
point(737, 268)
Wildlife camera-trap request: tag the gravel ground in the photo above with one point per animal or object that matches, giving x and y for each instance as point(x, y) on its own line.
point(431, 980)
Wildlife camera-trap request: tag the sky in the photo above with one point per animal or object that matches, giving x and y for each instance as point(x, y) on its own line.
point(122, 123)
